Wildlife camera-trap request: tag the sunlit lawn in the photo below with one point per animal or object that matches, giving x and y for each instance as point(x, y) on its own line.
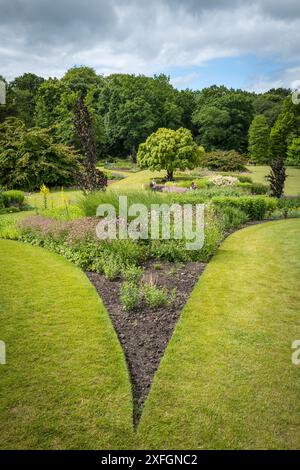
point(292, 185)
point(65, 384)
point(227, 379)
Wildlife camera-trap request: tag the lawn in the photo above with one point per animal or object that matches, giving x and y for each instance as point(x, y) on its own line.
point(227, 380)
point(137, 180)
point(65, 384)
point(292, 185)
point(55, 198)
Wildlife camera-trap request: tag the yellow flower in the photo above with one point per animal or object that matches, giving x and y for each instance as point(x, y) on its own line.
point(44, 190)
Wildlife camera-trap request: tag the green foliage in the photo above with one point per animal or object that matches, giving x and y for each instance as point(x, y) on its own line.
point(255, 207)
point(67, 212)
point(205, 195)
point(223, 161)
point(270, 104)
point(154, 296)
point(133, 107)
point(130, 295)
point(285, 129)
point(13, 197)
point(132, 273)
point(259, 188)
point(111, 267)
point(29, 157)
point(168, 250)
point(259, 133)
point(9, 210)
point(89, 203)
point(22, 98)
point(8, 227)
point(293, 153)
point(232, 217)
point(254, 188)
point(222, 117)
point(243, 178)
point(169, 150)
point(212, 124)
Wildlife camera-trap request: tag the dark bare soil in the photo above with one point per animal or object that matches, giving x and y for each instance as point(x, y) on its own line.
point(145, 333)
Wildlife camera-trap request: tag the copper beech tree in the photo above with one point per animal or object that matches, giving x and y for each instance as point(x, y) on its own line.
point(90, 179)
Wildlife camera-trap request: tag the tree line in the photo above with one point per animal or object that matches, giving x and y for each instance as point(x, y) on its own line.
point(127, 109)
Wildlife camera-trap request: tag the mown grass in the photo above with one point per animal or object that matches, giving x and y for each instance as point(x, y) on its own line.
point(65, 384)
point(54, 199)
point(292, 185)
point(227, 380)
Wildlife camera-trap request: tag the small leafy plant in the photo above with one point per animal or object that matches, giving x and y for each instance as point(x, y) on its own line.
point(132, 273)
point(111, 267)
point(154, 296)
point(130, 295)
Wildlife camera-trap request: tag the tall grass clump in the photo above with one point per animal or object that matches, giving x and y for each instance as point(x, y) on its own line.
point(89, 203)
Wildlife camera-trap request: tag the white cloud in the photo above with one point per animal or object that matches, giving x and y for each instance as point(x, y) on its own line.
point(142, 36)
point(289, 78)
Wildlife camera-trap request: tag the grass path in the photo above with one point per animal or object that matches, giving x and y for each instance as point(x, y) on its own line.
point(65, 384)
point(227, 380)
point(136, 181)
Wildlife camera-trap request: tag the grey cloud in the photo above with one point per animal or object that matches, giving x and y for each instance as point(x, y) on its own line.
point(142, 36)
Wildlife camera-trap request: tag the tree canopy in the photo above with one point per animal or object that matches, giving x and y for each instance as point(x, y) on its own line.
point(169, 150)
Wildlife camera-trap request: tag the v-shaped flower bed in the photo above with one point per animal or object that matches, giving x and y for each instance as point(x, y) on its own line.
point(144, 333)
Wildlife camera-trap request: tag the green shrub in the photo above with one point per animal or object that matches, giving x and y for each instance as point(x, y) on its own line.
point(254, 188)
point(213, 237)
point(127, 251)
point(219, 160)
point(90, 202)
point(9, 210)
point(112, 267)
point(13, 197)
point(259, 188)
point(154, 296)
point(30, 157)
point(232, 217)
point(130, 295)
point(9, 228)
point(287, 207)
point(132, 273)
point(288, 203)
point(169, 250)
point(256, 207)
point(245, 186)
point(205, 195)
point(244, 178)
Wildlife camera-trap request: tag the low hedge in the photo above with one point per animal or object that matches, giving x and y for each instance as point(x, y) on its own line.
point(13, 197)
point(256, 207)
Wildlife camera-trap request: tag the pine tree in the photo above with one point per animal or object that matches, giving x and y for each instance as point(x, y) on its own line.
point(259, 133)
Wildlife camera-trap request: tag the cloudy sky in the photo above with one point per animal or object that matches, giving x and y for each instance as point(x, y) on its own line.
point(252, 44)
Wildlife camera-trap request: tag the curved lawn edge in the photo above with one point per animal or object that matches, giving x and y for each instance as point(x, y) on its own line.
point(226, 379)
point(65, 384)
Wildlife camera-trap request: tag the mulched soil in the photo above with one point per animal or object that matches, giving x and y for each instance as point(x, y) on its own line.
point(145, 333)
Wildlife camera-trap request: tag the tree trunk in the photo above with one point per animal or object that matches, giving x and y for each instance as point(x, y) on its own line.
point(170, 176)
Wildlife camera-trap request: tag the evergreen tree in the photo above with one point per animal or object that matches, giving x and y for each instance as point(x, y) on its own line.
point(259, 134)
